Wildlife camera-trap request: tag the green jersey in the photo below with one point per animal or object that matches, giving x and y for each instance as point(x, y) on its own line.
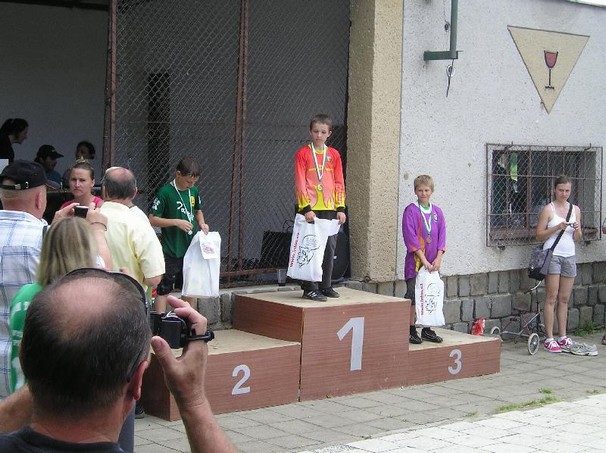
point(18, 309)
point(171, 203)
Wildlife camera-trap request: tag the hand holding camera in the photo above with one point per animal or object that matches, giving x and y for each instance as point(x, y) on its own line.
point(184, 375)
point(174, 330)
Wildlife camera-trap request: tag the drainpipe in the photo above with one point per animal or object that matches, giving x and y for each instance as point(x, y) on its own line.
point(452, 53)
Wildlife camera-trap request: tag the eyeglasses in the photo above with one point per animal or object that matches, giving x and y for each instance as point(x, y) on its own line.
point(129, 284)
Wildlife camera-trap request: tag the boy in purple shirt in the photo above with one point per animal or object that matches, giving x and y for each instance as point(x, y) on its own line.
point(424, 230)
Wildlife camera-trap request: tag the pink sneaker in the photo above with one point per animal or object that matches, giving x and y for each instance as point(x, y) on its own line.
point(565, 343)
point(552, 346)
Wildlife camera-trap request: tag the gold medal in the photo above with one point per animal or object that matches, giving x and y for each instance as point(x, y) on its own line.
point(319, 170)
point(428, 240)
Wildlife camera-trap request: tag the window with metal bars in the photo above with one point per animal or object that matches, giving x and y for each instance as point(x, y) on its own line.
point(519, 184)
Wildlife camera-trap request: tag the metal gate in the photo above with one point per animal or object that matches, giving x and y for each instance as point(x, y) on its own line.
point(234, 84)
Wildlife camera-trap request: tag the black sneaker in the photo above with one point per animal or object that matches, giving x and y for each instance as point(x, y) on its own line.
point(330, 292)
point(414, 337)
point(314, 295)
point(430, 335)
point(139, 411)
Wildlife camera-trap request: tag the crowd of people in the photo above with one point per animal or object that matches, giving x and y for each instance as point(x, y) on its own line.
point(71, 360)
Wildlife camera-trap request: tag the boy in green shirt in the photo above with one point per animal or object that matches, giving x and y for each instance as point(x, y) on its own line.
point(177, 211)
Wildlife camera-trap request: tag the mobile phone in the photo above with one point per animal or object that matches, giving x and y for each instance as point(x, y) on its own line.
point(81, 211)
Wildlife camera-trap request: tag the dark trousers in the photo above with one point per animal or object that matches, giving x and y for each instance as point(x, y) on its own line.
point(329, 256)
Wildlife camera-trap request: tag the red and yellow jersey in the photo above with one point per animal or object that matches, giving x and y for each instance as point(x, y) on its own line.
point(327, 194)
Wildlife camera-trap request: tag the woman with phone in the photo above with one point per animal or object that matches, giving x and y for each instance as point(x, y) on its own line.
point(559, 215)
point(81, 182)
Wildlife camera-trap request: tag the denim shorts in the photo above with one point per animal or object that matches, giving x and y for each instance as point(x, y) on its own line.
point(566, 266)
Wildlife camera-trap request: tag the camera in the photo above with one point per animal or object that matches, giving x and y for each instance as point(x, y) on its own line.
point(81, 211)
point(175, 330)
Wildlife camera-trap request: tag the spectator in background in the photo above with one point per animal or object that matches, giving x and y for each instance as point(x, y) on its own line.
point(47, 157)
point(57, 258)
point(81, 179)
point(14, 130)
point(559, 216)
point(23, 195)
point(85, 150)
point(134, 245)
point(132, 241)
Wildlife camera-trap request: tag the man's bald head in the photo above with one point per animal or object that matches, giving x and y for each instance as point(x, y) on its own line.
point(83, 339)
point(32, 201)
point(119, 184)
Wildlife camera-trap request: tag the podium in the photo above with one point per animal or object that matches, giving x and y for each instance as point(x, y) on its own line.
point(353, 344)
point(284, 349)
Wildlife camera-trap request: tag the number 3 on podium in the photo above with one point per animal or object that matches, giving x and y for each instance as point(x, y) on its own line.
point(456, 355)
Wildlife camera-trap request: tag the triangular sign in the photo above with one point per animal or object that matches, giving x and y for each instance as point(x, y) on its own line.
point(549, 57)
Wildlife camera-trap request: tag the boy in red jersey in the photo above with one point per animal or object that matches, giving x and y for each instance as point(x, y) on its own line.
point(320, 190)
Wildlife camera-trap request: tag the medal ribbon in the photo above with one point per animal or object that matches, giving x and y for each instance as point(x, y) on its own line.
point(190, 215)
point(427, 224)
point(319, 173)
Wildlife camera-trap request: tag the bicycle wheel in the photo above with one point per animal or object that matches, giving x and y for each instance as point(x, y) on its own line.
point(496, 330)
point(533, 343)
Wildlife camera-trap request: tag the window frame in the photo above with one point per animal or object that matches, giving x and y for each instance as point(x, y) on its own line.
point(530, 175)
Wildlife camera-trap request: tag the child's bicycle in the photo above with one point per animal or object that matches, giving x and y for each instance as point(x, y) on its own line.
point(528, 321)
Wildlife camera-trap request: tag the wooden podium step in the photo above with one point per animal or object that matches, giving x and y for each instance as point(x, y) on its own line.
point(460, 355)
point(353, 344)
point(245, 371)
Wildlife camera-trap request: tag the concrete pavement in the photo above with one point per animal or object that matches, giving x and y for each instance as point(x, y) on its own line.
point(487, 413)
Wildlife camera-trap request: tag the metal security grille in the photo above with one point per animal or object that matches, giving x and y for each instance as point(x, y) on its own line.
point(233, 84)
point(519, 184)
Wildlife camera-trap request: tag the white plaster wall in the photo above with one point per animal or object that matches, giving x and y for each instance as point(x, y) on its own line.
point(53, 75)
point(492, 100)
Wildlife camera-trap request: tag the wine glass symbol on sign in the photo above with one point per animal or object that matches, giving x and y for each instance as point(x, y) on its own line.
point(550, 60)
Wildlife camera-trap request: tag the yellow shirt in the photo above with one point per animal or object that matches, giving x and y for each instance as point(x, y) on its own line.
point(132, 242)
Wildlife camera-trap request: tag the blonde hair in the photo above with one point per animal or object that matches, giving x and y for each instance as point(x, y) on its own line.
point(69, 244)
point(424, 180)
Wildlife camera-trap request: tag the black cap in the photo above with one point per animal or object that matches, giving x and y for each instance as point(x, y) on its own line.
point(23, 174)
point(48, 151)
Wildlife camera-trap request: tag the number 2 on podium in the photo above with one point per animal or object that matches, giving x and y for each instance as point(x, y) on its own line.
point(356, 325)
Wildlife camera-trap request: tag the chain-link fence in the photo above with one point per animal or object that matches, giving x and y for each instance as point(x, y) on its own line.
point(520, 181)
point(234, 84)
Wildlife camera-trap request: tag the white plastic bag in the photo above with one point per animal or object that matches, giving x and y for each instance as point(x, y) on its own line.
point(429, 298)
point(307, 247)
point(201, 265)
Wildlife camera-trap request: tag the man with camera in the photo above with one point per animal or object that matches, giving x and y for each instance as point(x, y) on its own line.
point(84, 365)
